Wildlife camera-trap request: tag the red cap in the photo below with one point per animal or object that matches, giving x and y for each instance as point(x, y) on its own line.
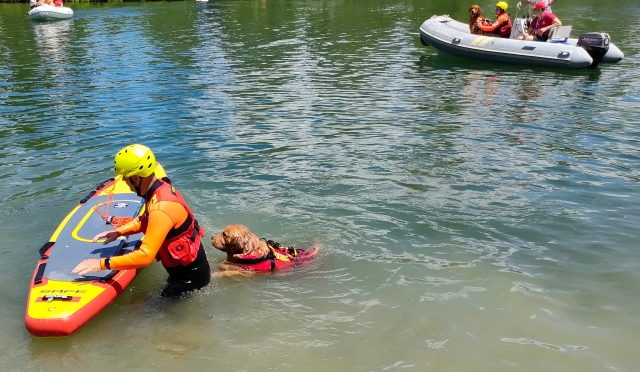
point(540, 5)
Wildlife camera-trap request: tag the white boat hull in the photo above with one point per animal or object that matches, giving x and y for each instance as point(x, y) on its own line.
point(453, 37)
point(50, 13)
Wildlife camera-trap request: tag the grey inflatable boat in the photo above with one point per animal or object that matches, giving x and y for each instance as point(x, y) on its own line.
point(450, 36)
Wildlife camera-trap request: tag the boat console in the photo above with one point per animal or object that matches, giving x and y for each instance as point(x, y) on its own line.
point(518, 28)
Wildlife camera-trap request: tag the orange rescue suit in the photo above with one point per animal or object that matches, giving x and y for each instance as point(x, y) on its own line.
point(171, 233)
point(502, 27)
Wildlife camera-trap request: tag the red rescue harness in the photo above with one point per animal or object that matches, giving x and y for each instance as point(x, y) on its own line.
point(279, 257)
point(181, 245)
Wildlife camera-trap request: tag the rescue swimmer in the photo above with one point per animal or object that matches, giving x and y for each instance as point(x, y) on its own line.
point(171, 233)
point(502, 26)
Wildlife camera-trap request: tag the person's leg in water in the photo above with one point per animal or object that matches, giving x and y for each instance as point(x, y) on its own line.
point(185, 279)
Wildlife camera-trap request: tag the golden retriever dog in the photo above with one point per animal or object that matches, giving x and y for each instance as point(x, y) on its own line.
point(238, 242)
point(246, 251)
point(475, 14)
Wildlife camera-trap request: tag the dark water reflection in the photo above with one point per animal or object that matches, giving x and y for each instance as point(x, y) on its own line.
point(472, 216)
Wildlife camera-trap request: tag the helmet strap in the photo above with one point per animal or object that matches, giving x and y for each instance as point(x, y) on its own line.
point(138, 191)
point(138, 187)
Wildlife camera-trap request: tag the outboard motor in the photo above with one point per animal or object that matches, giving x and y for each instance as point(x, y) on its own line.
point(596, 44)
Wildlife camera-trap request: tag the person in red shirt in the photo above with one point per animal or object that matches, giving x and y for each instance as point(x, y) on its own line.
point(502, 26)
point(171, 232)
point(541, 24)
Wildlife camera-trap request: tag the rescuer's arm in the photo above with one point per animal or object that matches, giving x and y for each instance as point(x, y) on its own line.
point(160, 223)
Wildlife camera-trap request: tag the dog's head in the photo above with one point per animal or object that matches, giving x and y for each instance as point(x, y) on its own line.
point(236, 239)
point(474, 11)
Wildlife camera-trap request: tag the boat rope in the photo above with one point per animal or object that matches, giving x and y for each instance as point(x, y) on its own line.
point(114, 221)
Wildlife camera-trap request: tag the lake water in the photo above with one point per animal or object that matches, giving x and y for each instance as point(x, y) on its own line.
point(471, 216)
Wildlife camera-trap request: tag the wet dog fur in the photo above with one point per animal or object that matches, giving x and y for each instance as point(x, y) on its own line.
point(475, 14)
point(237, 241)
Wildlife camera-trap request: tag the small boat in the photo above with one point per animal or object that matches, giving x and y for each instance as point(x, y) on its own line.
point(50, 13)
point(452, 37)
point(60, 302)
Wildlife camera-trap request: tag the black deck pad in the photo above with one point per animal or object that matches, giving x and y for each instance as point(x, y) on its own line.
point(74, 245)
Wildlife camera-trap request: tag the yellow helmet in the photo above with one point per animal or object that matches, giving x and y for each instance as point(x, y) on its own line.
point(502, 5)
point(135, 160)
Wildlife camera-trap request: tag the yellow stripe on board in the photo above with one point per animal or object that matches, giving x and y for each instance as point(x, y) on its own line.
point(84, 219)
point(483, 42)
point(62, 224)
point(478, 39)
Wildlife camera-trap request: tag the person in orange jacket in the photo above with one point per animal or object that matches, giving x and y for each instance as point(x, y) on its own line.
point(502, 26)
point(171, 232)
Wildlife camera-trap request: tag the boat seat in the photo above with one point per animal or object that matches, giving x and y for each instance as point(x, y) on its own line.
point(560, 32)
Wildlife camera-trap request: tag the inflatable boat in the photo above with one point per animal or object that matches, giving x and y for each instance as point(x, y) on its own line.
point(452, 37)
point(50, 13)
point(61, 302)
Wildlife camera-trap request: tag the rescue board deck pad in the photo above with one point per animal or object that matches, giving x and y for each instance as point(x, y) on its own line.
point(61, 302)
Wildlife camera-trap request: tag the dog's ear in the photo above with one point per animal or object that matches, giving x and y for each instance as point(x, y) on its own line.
point(240, 241)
